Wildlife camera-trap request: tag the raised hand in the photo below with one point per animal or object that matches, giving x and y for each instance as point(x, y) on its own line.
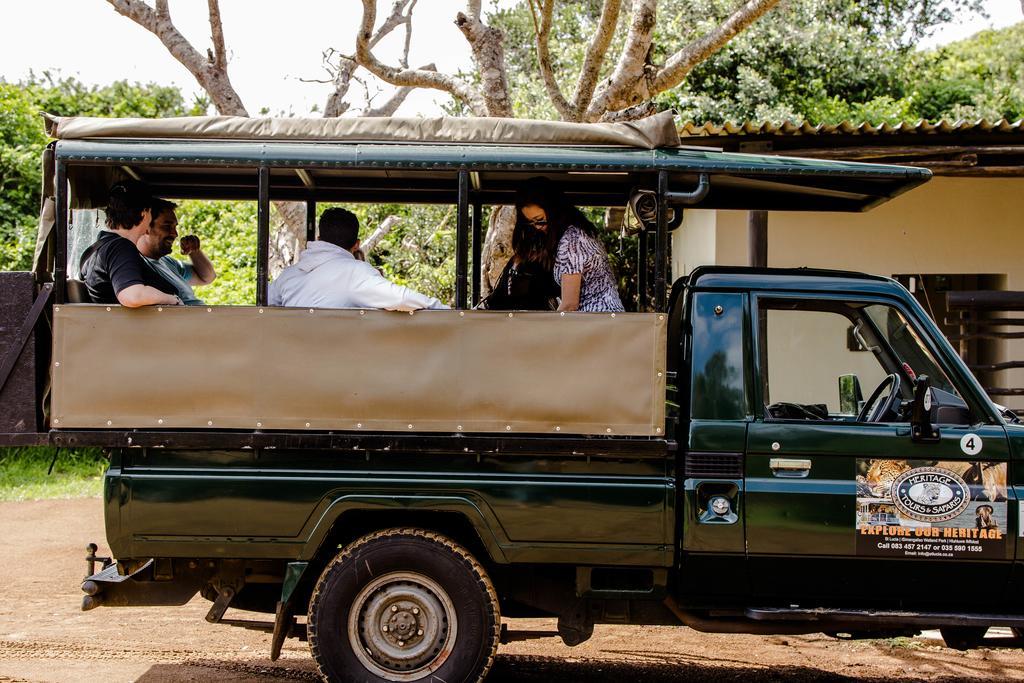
point(189, 244)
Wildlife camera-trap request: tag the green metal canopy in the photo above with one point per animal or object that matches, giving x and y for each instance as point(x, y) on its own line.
point(417, 172)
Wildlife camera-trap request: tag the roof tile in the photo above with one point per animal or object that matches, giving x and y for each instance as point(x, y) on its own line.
point(795, 128)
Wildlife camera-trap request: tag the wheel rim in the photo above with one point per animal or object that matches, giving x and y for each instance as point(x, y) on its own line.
point(402, 626)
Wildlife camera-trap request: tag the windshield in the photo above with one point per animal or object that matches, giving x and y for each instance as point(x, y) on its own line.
point(910, 352)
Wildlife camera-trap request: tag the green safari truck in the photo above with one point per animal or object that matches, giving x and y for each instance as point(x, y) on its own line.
point(744, 450)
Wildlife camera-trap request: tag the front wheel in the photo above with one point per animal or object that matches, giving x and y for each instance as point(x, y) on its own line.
point(402, 605)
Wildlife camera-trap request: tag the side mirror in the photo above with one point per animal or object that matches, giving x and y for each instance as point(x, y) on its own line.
point(850, 395)
point(921, 428)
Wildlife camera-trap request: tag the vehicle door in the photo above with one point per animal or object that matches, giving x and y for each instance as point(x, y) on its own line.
point(842, 505)
point(717, 410)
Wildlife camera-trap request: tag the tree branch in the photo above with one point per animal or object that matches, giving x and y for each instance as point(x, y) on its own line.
point(397, 98)
point(367, 245)
point(626, 85)
point(213, 78)
point(220, 58)
point(682, 62)
point(414, 78)
point(640, 111)
point(342, 80)
point(542, 31)
point(486, 43)
point(211, 72)
point(401, 13)
point(404, 61)
point(596, 51)
point(397, 17)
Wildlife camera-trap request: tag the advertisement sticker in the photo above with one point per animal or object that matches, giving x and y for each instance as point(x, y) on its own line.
point(931, 509)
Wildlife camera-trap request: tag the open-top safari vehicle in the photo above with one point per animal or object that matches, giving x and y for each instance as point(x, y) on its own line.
point(707, 459)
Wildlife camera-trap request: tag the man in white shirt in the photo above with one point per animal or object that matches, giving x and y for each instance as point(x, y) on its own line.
point(328, 275)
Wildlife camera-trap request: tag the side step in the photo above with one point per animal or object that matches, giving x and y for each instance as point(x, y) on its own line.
point(846, 618)
point(297, 630)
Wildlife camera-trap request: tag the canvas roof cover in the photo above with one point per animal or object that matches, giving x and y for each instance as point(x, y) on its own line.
point(649, 133)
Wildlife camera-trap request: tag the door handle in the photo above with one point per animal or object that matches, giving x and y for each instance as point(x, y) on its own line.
point(789, 467)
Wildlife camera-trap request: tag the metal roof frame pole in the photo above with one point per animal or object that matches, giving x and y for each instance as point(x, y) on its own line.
point(477, 234)
point(661, 242)
point(462, 242)
point(60, 259)
point(643, 300)
point(263, 236)
point(757, 238)
point(310, 220)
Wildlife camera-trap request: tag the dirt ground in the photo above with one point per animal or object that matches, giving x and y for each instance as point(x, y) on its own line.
point(44, 636)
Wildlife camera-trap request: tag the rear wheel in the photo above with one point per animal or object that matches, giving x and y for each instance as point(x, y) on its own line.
point(402, 605)
point(963, 637)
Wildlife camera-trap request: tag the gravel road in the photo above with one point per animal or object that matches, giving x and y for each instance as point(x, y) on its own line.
point(44, 636)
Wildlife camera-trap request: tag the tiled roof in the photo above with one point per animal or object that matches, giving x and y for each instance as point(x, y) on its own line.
point(789, 128)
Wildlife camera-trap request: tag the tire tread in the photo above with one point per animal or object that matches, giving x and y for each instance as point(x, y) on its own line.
point(433, 537)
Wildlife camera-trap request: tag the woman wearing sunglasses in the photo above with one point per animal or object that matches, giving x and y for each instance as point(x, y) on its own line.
point(554, 239)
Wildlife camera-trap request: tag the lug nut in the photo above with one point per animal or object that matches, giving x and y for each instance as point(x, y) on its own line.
point(401, 643)
point(419, 632)
point(394, 608)
point(385, 629)
point(415, 610)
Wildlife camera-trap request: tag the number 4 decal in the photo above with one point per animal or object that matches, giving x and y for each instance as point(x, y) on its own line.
point(971, 444)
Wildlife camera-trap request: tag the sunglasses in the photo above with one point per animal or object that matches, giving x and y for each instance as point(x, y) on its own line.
point(539, 223)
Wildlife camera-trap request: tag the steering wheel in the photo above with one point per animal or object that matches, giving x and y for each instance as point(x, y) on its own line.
point(875, 408)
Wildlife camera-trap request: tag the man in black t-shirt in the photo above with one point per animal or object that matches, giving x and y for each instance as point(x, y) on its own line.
point(113, 269)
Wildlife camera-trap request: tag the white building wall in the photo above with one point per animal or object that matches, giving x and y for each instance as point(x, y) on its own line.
point(948, 225)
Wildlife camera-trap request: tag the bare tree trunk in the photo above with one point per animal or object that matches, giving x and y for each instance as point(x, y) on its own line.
point(288, 238)
point(487, 44)
point(497, 247)
point(366, 246)
point(211, 72)
point(636, 79)
point(625, 94)
point(404, 76)
point(541, 11)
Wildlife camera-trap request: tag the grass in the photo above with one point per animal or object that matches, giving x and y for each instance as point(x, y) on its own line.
point(77, 473)
point(901, 643)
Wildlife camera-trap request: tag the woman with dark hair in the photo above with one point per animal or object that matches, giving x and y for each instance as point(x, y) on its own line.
point(558, 239)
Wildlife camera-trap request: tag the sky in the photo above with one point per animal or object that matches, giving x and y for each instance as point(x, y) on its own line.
point(275, 48)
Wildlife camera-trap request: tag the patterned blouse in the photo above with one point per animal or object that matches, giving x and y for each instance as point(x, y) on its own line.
point(578, 252)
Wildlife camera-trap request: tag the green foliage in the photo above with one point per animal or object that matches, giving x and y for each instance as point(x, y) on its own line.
point(22, 140)
point(825, 61)
point(227, 231)
point(980, 77)
point(25, 473)
point(878, 110)
point(70, 97)
point(21, 143)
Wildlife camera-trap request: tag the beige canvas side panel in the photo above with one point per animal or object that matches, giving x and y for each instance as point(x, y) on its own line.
point(278, 368)
point(649, 133)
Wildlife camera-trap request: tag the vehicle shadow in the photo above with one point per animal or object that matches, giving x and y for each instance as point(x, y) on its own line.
point(941, 663)
point(530, 669)
point(541, 669)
